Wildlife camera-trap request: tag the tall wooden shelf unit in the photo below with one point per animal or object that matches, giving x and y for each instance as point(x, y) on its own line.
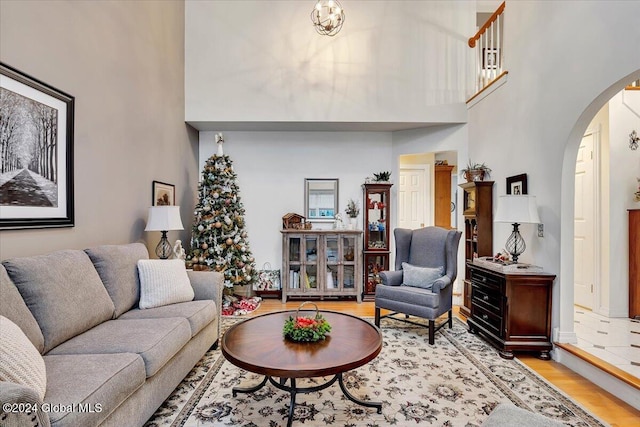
point(376, 249)
point(634, 263)
point(478, 230)
point(321, 263)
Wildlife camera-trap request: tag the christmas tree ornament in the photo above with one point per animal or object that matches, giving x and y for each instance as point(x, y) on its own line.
point(218, 224)
point(201, 228)
point(205, 246)
point(229, 242)
point(215, 195)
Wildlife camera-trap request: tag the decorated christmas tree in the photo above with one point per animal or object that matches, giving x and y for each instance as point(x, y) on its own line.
point(219, 239)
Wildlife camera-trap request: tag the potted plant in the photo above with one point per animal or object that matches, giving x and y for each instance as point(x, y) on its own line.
point(382, 176)
point(475, 171)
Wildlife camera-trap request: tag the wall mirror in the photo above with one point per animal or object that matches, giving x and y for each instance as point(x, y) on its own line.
point(320, 199)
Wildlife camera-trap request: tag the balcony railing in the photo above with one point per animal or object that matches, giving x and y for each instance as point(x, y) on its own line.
point(634, 85)
point(487, 43)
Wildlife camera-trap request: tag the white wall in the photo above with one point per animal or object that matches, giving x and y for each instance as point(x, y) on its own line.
point(562, 57)
point(123, 61)
point(272, 166)
point(257, 61)
point(624, 114)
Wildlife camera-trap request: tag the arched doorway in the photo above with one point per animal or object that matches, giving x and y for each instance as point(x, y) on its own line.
point(568, 209)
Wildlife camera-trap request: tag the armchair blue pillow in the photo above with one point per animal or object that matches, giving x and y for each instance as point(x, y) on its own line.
point(420, 277)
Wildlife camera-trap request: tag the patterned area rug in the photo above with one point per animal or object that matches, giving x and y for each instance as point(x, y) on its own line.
point(457, 382)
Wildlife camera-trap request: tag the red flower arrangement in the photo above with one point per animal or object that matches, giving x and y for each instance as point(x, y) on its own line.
point(306, 329)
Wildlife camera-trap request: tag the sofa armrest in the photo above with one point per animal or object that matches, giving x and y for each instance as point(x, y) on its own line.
point(23, 398)
point(440, 284)
point(391, 278)
point(208, 285)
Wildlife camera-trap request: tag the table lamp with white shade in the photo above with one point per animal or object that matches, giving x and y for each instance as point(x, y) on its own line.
point(163, 219)
point(517, 210)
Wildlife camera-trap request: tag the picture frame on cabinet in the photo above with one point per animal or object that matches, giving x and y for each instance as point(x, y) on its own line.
point(517, 184)
point(37, 153)
point(163, 194)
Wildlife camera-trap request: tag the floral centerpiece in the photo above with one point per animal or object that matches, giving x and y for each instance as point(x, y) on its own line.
point(306, 329)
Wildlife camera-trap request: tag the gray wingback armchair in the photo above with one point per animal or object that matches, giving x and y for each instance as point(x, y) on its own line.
point(430, 247)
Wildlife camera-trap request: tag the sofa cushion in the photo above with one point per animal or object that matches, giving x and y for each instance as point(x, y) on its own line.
point(117, 266)
point(88, 380)
point(155, 340)
point(13, 307)
point(63, 291)
point(21, 362)
point(163, 282)
point(420, 277)
point(198, 313)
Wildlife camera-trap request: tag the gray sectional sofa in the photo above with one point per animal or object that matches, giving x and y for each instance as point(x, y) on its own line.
point(108, 363)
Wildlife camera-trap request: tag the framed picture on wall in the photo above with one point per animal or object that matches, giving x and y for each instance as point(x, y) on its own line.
point(163, 194)
point(517, 184)
point(36, 146)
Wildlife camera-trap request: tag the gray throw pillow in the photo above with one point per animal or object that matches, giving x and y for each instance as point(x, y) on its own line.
point(420, 277)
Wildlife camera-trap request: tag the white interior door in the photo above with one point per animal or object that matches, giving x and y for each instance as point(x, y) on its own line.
point(413, 194)
point(584, 225)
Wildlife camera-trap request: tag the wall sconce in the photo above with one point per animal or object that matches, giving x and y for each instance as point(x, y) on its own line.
point(327, 17)
point(634, 139)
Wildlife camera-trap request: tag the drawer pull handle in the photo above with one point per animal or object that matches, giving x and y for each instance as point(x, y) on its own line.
point(486, 297)
point(484, 280)
point(485, 317)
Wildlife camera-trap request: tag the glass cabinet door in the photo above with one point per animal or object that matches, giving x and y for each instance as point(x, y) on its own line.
point(377, 198)
point(295, 249)
point(310, 279)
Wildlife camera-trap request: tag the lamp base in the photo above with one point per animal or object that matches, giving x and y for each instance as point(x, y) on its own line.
point(515, 243)
point(164, 249)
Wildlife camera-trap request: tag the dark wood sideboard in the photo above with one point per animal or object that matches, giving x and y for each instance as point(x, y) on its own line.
point(512, 311)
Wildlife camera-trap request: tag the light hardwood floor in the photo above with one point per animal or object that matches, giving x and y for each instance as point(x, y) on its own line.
point(601, 403)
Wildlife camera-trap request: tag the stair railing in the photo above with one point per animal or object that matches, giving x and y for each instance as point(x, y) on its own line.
point(488, 45)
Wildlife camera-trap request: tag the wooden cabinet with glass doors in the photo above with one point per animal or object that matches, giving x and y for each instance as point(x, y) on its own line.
point(321, 263)
point(376, 250)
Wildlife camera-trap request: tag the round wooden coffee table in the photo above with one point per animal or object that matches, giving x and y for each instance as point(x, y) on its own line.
point(257, 345)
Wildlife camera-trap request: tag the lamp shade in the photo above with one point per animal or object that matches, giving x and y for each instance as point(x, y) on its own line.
point(517, 209)
point(164, 218)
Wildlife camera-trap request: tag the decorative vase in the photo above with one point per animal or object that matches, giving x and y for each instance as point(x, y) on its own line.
point(474, 175)
point(353, 222)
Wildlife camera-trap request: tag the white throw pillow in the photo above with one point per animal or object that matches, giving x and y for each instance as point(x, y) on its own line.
point(163, 282)
point(21, 363)
point(420, 277)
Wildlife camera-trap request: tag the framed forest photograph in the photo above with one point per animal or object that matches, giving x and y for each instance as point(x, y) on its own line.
point(36, 153)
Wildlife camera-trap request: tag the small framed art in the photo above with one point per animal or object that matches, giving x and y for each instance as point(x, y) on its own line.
point(36, 164)
point(163, 194)
point(517, 184)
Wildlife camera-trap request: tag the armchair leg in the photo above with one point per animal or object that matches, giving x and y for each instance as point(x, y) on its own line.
point(377, 317)
point(432, 332)
point(450, 319)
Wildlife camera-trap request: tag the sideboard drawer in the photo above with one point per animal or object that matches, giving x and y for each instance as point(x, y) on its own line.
point(488, 319)
point(487, 299)
point(488, 280)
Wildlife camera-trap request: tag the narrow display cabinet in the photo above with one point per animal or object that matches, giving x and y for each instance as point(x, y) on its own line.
point(634, 263)
point(321, 263)
point(478, 230)
point(376, 250)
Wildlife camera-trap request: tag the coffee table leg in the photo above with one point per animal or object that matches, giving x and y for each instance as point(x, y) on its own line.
point(356, 400)
point(292, 403)
point(236, 390)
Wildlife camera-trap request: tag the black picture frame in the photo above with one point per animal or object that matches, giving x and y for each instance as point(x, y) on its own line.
point(163, 194)
point(36, 165)
point(517, 184)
